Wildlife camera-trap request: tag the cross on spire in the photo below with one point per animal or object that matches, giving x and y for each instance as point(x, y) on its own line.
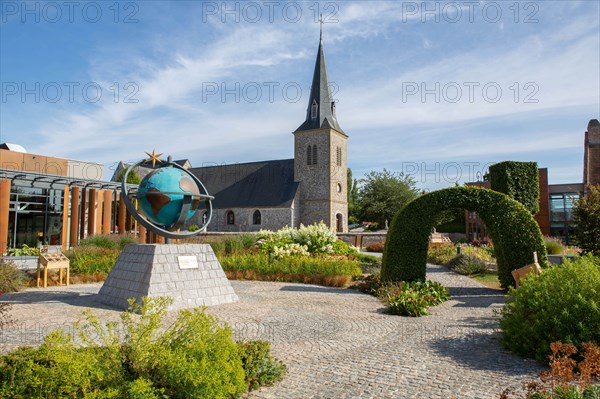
point(321, 22)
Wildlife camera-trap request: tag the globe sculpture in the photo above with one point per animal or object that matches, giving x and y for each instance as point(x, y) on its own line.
point(167, 197)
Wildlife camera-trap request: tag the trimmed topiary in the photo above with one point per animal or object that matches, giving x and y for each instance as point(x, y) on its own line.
point(514, 232)
point(518, 180)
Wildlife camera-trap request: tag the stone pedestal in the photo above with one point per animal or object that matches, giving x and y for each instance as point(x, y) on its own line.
point(190, 273)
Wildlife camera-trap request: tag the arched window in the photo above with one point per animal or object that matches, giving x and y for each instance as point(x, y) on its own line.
point(308, 155)
point(230, 217)
point(256, 217)
point(313, 109)
point(314, 154)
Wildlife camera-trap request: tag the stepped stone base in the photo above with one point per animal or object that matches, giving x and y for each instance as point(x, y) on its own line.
point(190, 273)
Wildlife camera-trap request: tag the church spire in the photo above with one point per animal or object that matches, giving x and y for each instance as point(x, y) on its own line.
point(321, 107)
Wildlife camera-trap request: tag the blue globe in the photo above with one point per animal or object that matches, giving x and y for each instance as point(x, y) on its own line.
point(160, 195)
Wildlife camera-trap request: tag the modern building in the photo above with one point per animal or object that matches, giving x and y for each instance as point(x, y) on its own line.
point(556, 202)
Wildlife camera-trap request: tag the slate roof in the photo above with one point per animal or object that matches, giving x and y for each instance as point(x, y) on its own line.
point(247, 185)
point(321, 94)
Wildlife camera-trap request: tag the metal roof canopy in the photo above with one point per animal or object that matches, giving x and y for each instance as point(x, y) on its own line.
point(48, 181)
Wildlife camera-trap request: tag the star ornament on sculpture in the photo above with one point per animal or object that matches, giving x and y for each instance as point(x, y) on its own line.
point(154, 158)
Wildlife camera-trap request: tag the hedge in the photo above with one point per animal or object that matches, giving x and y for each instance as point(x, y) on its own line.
point(512, 228)
point(518, 180)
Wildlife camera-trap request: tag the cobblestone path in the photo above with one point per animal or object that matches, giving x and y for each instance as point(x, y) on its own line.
point(337, 343)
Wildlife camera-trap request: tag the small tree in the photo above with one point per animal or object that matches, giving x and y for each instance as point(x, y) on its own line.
point(352, 198)
point(383, 194)
point(132, 178)
point(586, 216)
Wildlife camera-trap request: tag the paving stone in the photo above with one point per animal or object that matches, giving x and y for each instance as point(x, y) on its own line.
point(337, 343)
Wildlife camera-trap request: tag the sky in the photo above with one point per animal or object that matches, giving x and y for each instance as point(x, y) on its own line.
point(438, 90)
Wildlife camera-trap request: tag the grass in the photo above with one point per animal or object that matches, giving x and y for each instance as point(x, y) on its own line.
point(489, 279)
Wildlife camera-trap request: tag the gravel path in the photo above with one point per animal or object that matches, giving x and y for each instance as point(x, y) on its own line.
point(337, 343)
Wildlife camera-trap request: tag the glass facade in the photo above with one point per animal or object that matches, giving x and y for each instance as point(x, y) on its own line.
point(35, 216)
point(561, 214)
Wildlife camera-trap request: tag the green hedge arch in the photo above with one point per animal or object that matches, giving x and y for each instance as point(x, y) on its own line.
point(512, 228)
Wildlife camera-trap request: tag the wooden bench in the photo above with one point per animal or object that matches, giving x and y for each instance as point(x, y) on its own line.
point(534, 268)
point(53, 261)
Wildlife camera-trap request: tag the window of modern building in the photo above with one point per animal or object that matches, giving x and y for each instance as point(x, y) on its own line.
point(309, 155)
point(314, 154)
point(561, 214)
point(230, 217)
point(256, 217)
point(35, 215)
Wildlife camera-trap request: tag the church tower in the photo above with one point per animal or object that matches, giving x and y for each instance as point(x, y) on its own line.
point(320, 156)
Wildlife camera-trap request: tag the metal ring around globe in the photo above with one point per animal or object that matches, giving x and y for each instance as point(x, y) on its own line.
point(153, 227)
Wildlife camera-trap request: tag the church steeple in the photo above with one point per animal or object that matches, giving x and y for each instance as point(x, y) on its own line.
point(321, 107)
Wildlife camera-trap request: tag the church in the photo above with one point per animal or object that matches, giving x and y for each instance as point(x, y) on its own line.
point(309, 188)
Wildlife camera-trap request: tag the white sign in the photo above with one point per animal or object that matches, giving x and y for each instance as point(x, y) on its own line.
point(187, 262)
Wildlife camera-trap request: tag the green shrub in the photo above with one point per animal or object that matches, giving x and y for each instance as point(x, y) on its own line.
point(518, 180)
point(25, 250)
point(341, 248)
point(515, 233)
point(11, 277)
point(193, 227)
point(554, 246)
point(562, 304)
point(141, 358)
point(112, 241)
point(441, 254)
point(368, 259)
point(467, 265)
point(369, 284)
point(586, 216)
point(405, 299)
point(259, 366)
point(308, 265)
point(92, 259)
point(412, 299)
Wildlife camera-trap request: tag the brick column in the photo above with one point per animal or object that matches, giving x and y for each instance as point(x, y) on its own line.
point(122, 215)
point(92, 212)
point(82, 224)
point(4, 212)
point(74, 216)
point(106, 215)
point(143, 234)
point(99, 212)
point(65, 218)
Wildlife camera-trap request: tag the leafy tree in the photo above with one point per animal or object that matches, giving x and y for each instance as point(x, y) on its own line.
point(383, 194)
point(132, 178)
point(352, 199)
point(586, 216)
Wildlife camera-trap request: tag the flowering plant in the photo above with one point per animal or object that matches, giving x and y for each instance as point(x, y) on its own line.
point(306, 240)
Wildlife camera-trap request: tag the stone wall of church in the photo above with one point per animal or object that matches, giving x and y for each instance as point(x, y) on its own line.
point(338, 204)
point(318, 192)
point(271, 219)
